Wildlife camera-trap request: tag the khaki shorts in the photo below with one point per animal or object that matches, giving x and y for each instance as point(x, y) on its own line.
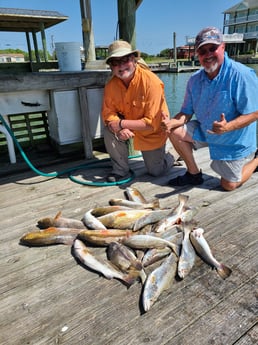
point(229, 170)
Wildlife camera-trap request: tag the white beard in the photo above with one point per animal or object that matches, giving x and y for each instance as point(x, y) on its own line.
point(211, 69)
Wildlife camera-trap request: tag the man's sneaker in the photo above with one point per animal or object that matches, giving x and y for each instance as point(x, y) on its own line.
point(186, 179)
point(256, 156)
point(116, 178)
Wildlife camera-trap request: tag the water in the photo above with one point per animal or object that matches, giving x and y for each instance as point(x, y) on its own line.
point(175, 85)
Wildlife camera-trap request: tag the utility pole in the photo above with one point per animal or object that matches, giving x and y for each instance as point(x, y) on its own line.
point(174, 45)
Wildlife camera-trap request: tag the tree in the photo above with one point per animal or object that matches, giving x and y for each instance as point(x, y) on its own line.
point(165, 53)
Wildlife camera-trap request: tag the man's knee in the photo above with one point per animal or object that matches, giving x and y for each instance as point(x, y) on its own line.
point(229, 186)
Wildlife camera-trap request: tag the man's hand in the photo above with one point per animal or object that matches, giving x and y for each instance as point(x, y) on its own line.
point(125, 134)
point(165, 123)
point(114, 126)
point(219, 127)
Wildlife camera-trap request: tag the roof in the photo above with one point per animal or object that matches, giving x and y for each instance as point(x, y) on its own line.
point(243, 5)
point(23, 20)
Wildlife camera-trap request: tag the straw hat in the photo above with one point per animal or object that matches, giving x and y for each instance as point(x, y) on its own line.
point(120, 48)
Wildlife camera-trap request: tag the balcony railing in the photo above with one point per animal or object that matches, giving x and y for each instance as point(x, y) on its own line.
point(249, 35)
point(241, 20)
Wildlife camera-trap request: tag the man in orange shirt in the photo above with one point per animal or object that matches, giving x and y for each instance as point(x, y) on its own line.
point(132, 107)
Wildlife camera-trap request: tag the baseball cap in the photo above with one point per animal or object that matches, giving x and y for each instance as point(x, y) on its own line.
point(208, 35)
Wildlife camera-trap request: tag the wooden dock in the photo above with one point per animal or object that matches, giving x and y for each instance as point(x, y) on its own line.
point(47, 298)
point(172, 67)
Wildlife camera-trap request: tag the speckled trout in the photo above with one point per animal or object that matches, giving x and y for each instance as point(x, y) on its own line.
point(187, 256)
point(151, 218)
point(92, 222)
point(174, 216)
point(125, 259)
point(203, 250)
point(159, 280)
point(155, 254)
point(84, 255)
point(148, 241)
point(134, 194)
point(134, 204)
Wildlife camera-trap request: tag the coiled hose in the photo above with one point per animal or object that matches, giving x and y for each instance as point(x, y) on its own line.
point(70, 170)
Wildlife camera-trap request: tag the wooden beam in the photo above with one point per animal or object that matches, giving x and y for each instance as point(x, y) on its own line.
point(126, 20)
point(87, 30)
point(138, 3)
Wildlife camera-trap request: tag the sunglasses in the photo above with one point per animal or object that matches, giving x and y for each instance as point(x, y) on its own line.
point(203, 51)
point(118, 62)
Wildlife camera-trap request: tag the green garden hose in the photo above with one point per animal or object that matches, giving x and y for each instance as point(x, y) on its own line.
point(70, 170)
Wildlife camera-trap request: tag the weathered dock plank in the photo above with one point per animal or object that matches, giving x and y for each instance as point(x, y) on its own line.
point(46, 297)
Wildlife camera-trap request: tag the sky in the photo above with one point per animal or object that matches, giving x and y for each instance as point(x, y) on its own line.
point(156, 22)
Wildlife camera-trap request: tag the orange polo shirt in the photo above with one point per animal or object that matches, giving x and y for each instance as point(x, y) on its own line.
point(143, 99)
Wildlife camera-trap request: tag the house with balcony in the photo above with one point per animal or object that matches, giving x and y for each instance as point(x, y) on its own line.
point(11, 57)
point(242, 20)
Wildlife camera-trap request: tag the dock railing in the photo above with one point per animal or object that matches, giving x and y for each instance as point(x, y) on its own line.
point(173, 67)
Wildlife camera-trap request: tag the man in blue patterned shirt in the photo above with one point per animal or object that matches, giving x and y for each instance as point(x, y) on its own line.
point(223, 97)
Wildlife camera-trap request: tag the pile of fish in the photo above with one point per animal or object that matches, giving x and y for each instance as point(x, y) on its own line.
point(143, 242)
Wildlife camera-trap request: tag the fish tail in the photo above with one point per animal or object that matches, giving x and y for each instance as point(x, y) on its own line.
point(129, 280)
point(224, 271)
point(183, 198)
point(143, 276)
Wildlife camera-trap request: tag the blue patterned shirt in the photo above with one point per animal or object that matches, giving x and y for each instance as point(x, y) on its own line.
point(234, 92)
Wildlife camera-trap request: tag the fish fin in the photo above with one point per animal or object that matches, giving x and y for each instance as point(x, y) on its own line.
point(156, 203)
point(58, 215)
point(137, 265)
point(224, 271)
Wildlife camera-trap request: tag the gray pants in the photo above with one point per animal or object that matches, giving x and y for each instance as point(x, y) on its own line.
point(157, 161)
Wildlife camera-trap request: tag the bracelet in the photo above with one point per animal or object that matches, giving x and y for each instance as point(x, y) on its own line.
point(120, 124)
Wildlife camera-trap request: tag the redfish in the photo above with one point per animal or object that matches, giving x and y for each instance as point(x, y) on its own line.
point(123, 219)
point(60, 222)
point(104, 237)
point(50, 236)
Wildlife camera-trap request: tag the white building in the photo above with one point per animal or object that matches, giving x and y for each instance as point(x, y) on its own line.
point(242, 19)
point(8, 57)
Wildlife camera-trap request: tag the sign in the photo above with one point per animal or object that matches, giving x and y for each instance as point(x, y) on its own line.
point(233, 38)
point(190, 41)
